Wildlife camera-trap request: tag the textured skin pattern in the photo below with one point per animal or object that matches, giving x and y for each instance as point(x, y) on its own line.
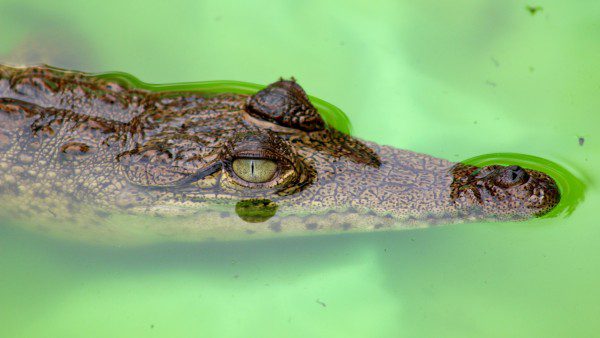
point(285, 103)
point(94, 159)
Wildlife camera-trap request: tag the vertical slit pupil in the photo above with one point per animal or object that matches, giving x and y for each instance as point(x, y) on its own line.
point(252, 167)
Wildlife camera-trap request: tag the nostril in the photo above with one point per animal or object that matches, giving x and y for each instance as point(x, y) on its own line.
point(516, 174)
point(511, 176)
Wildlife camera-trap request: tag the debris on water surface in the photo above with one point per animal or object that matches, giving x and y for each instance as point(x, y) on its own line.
point(321, 303)
point(491, 83)
point(581, 141)
point(534, 9)
point(496, 63)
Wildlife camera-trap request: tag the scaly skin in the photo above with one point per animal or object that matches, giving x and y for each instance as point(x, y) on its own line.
point(92, 159)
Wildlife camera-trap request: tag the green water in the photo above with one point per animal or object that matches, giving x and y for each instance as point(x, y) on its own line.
point(453, 79)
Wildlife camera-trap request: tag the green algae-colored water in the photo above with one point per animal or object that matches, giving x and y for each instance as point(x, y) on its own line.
point(452, 79)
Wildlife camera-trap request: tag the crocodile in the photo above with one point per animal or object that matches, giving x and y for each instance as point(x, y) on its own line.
point(97, 159)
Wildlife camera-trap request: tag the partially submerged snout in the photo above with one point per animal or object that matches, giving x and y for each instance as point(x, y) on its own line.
point(506, 192)
point(404, 189)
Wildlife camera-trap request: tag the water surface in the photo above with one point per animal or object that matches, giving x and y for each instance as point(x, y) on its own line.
point(454, 80)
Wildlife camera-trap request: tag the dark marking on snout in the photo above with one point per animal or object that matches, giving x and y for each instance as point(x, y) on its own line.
point(72, 150)
point(275, 227)
point(40, 194)
point(5, 139)
point(102, 213)
point(311, 226)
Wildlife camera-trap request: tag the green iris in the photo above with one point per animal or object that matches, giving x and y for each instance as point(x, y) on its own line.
point(254, 170)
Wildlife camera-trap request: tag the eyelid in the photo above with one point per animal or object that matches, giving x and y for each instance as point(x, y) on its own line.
point(259, 154)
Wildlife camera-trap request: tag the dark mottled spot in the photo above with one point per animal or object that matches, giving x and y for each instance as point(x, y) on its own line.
point(42, 131)
point(35, 208)
point(34, 145)
point(351, 210)
point(431, 217)
point(72, 150)
point(275, 227)
point(581, 141)
point(4, 139)
point(346, 226)
point(255, 210)
point(311, 226)
point(101, 213)
point(224, 214)
point(330, 213)
point(40, 194)
point(378, 226)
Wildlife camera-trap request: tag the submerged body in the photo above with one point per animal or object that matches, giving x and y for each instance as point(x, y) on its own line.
point(97, 159)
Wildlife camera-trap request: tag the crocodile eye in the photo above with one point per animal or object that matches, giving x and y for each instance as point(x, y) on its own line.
point(259, 162)
point(254, 170)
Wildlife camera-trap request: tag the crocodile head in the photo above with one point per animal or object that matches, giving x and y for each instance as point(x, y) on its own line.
point(278, 162)
point(84, 151)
